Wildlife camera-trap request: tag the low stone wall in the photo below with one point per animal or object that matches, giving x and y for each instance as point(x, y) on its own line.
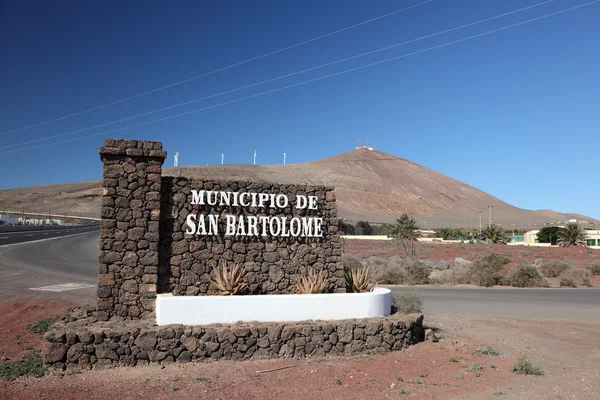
point(87, 343)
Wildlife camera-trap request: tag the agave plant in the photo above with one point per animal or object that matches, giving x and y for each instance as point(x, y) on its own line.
point(359, 279)
point(229, 282)
point(313, 282)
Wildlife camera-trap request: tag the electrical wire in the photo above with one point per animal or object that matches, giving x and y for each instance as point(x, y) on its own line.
point(218, 70)
point(273, 79)
point(314, 80)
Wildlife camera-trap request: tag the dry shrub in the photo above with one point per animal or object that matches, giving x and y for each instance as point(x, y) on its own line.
point(350, 261)
point(574, 278)
point(552, 269)
point(594, 268)
point(441, 277)
point(417, 273)
point(407, 302)
point(486, 271)
point(526, 275)
point(388, 272)
point(462, 272)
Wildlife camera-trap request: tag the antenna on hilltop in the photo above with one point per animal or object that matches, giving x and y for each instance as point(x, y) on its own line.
point(254, 157)
point(222, 158)
point(176, 161)
point(284, 158)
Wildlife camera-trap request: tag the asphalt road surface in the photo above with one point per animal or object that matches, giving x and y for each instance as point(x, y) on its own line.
point(53, 268)
point(15, 237)
point(69, 265)
point(527, 303)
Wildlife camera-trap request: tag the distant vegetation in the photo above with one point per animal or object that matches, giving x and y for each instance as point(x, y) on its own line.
point(572, 235)
point(495, 234)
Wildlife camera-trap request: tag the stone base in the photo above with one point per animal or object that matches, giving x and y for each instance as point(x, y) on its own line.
point(87, 343)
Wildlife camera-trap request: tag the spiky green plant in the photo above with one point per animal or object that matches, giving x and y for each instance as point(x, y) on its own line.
point(229, 282)
point(358, 280)
point(495, 234)
point(572, 235)
point(313, 282)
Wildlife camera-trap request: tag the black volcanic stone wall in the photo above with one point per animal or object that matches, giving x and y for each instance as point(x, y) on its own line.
point(271, 263)
point(129, 235)
point(86, 344)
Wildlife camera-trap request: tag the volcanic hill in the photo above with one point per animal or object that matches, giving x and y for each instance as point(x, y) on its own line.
point(370, 185)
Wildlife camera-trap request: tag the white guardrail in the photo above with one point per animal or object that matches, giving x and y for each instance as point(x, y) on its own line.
point(52, 215)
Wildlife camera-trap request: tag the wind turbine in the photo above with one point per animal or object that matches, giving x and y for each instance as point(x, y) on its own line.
point(222, 158)
point(284, 158)
point(254, 157)
point(176, 162)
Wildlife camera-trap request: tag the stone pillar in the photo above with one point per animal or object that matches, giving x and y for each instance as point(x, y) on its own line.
point(129, 233)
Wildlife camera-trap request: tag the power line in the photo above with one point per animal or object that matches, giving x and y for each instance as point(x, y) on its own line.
point(273, 79)
point(311, 80)
point(220, 69)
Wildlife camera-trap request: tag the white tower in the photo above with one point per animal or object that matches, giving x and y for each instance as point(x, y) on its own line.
point(284, 158)
point(254, 157)
point(222, 158)
point(176, 162)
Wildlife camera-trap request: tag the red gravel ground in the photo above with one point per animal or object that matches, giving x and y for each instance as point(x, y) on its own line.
point(424, 371)
point(578, 258)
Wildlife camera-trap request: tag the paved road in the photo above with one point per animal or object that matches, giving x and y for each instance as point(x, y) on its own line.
point(71, 261)
point(10, 237)
point(537, 304)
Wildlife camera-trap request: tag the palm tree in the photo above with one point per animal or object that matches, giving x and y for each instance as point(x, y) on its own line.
point(406, 231)
point(572, 235)
point(495, 234)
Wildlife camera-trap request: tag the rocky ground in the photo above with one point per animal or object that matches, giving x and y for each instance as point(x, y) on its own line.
point(567, 351)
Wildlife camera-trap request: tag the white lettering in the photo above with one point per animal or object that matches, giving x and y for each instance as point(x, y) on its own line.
point(212, 198)
point(295, 232)
point(284, 231)
point(198, 197)
point(225, 198)
point(318, 229)
point(264, 221)
point(307, 227)
point(254, 196)
point(242, 202)
point(191, 225)
point(301, 202)
point(275, 232)
point(252, 230)
point(312, 202)
point(230, 231)
point(285, 202)
point(212, 227)
point(262, 197)
point(241, 230)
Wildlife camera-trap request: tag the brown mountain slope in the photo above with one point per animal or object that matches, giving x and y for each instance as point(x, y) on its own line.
point(370, 185)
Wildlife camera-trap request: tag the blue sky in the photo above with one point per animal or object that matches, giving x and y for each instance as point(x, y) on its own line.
point(514, 113)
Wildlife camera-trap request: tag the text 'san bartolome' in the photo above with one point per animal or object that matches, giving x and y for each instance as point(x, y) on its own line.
point(251, 225)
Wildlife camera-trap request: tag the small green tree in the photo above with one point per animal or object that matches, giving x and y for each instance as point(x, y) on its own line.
point(406, 231)
point(347, 228)
point(572, 235)
point(495, 234)
point(549, 234)
point(446, 233)
point(364, 228)
point(386, 229)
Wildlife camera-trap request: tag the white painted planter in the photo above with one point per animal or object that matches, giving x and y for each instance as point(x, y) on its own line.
point(203, 310)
